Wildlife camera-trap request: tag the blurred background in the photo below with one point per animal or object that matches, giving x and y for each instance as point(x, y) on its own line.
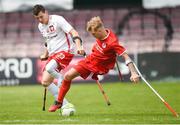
point(149, 30)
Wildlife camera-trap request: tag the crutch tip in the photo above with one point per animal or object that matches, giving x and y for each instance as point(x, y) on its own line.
point(108, 103)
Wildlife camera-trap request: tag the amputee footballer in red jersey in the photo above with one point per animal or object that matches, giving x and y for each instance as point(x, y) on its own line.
point(100, 61)
point(102, 58)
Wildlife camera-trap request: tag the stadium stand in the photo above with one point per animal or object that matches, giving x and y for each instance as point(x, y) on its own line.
point(20, 37)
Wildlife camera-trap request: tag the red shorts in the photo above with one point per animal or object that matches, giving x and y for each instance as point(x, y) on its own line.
point(84, 70)
point(62, 58)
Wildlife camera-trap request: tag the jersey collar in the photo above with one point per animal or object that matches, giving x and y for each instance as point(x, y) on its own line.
point(108, 31)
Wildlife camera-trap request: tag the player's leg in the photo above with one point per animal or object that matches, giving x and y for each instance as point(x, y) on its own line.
point(46, 79)
point(51, 68)
point(71, 74)
point(53, 89)
point(66, 83)
point(78, 70)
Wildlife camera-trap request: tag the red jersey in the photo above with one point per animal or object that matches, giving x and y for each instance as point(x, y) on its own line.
point(103, 56)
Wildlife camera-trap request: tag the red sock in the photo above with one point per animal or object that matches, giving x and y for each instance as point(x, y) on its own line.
point(63, 90)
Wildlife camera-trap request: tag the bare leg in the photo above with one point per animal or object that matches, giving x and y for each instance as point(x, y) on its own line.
point(71, 74)
point(47, 79)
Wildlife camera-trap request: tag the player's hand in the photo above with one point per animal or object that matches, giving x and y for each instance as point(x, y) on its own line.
point(81, 52)
point(135, 77)
point(43, 58)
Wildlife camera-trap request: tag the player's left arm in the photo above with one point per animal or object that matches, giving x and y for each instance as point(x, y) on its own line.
point(67, 28)
point(134, 74)
point(120, 50)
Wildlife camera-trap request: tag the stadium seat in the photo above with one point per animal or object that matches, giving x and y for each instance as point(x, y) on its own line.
point(26, 25)
point(147, 32)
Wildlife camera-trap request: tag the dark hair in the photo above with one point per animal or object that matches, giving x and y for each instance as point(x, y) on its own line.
point(38, 8)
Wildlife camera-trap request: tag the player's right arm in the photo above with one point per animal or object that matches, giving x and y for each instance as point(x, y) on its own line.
point(45, 54)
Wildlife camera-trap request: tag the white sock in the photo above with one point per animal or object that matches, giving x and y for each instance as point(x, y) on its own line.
point(53, 89)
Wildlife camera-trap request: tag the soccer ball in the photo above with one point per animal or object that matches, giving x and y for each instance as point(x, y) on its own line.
point(67, 110)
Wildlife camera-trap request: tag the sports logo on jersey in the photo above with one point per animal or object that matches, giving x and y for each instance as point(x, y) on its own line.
point(51, 28)
point(103, 45)
point(61, 56)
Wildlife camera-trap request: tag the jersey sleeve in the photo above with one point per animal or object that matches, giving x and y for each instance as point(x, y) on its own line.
point(63, 24)
point(119, 49)
point(40, 30)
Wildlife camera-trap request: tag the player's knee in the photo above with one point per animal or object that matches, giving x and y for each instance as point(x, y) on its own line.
point(71, 74)
point(68, 77)
point(45, 83)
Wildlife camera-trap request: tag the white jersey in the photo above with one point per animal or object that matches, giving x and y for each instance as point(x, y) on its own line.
point(56, 34)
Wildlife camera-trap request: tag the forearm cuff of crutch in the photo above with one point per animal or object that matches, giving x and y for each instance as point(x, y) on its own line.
point(128, 61)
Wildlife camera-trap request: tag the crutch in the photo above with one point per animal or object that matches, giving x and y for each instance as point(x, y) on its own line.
point(165, 103)
point(44, 99)
point(102, 90)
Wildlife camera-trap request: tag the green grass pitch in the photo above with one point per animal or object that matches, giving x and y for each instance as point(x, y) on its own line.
point(131, 104)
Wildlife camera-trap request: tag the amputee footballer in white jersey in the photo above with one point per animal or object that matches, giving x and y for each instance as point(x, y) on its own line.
point(56, 34)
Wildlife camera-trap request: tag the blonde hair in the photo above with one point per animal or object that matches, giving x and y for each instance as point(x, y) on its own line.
point(94, 23)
